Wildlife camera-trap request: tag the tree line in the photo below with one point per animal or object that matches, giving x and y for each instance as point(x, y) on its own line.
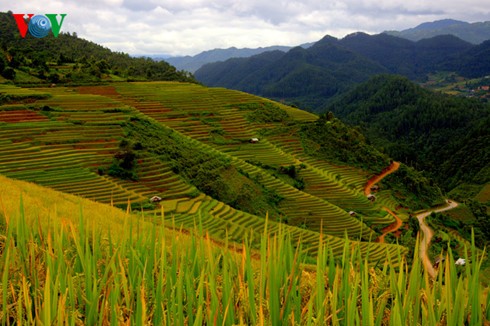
point(70, 59)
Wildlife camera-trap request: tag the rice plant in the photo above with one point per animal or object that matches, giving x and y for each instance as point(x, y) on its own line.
point(72, 274)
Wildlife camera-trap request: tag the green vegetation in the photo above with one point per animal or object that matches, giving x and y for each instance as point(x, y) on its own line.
point(448, 137)
point(210, 172)
point(70, 273)
point(331, 140)
point(412, 189)
point(124, 163)
point(70, 59)
point(264, 113)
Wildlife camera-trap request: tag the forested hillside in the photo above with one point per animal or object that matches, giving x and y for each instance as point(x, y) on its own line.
point(305, 77)
point(444, 135)
point(70, 59)
point(311, 78)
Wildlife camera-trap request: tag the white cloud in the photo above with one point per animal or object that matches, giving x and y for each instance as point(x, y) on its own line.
point(180, 27)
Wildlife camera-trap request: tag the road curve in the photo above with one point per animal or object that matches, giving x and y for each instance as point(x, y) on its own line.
point(377, 178)
point(390, 228)
point(367, 191)
point(428, 233)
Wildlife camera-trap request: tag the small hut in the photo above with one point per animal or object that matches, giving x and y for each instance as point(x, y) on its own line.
point(371, 197)
point(155, 199)
point(254, 140)
point(352, 213)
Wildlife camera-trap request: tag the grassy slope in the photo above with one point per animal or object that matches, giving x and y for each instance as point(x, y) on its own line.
point(51, 207)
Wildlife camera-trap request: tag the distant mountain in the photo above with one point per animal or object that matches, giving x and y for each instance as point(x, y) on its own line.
point(474, 33)
point(400, 56)
point(475, 62)
point(311, 77)
point(305, 76)
point(193, 63)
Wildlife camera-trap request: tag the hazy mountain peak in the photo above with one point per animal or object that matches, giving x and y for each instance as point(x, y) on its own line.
point(443, 23)
point(474, 33)
point(193, 63)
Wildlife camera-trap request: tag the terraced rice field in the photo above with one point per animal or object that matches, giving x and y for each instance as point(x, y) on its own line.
point(65, 146)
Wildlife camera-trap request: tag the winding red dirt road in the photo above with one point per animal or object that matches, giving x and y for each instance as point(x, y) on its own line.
point(377, 178)
point(367, 191)
point(426, 230)
point(390, 228)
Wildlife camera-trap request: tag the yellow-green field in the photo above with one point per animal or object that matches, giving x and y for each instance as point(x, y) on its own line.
point(61, 266)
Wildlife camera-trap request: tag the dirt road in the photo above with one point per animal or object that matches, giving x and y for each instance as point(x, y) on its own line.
point(428, 233)
point(390, 228)
point(371, 182)
point(367, 191)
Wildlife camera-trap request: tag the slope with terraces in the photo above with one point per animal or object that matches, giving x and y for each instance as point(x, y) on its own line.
point(64, 137)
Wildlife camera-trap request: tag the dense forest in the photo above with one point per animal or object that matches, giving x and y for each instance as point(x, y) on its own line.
point(70, 59)
point(311, 78)
point(446, 136)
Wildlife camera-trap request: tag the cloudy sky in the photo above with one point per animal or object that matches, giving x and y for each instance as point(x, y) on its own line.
point(181, 27)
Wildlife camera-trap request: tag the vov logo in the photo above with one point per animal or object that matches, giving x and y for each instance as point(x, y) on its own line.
point(38, 25)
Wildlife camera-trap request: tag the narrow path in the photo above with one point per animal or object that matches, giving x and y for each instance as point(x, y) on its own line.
point(428, 233)
point(367, 191)
point(390, 228)
point(377, 178)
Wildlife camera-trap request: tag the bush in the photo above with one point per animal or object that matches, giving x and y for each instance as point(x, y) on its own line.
point(9, 73)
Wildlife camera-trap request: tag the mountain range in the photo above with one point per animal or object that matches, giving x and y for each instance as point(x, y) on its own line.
point(474, 33)
point(311, 77)
point(193, 63)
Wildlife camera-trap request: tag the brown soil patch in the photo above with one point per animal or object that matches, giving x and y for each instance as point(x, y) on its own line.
point(21, 116)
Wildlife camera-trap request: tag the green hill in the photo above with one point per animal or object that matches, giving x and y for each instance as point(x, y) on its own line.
point(70, 59)
point(311, 78)
point(303, 76)
point(442, 134)
point(445, 136)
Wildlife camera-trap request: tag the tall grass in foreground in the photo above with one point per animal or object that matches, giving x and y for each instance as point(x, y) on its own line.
point(67, 274)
